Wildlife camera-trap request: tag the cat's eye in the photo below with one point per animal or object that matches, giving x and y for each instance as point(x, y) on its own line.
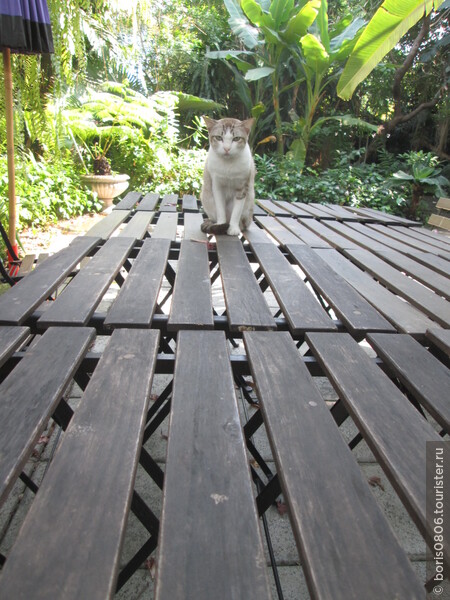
point(237, 139)
point(218, 138)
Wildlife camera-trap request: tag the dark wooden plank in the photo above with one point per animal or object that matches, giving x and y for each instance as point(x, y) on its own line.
point(192, 225)
point(104, 228)
point(278, 230)
point(189, 203)
point(431, 233)
point(17, 304)
point(335, 239)
point(298, 304)
point(293, 208)
point(169, 203)
point(137, 226)
point(31, 393)
point(10, 339)
point(395, 431)
point(255, 234)
point(207, 490)
point(306, 235)
point(245, 303)
point(26, 265)
point(166, 227)
point(358, 315)
point(316, 210)
point(338, 212)
point(128, 202)
point(89, 483)
point(418, 235)
point(435, 281)
point(398, 236)
point(272, 208)
point(358, 237)
point(420, 372)
point(427, 301)
point(440, 338)
point(308, 451)
point(401, 314)
point(191, 302)
point(77, 303)
point(136, 302)
point(148, 202)
point(386, 217)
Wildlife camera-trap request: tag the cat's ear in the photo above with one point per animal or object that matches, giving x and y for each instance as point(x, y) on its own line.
point(248, 124)
point(209, 122)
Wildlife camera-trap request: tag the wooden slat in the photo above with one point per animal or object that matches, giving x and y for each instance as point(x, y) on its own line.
point(255, 234)
point(191, 302)
point(395, 431)
point(426, 300)
point(272, 208)
point(21, 300)
point(26, 265)
point(136, 301)
point(440, 338)
point(189, 203)
point(314, 211)
point(89, 483)
point(439, 221)
point(298, 304)
point(137, 226)
point(333, 238)
point(406, 318)
point(293, 208)
point(443, 203)
point(77, 303)
point(31, 393)
point(245, 303)
point(306, 235)
point(10, 339)
point(192, 225)
point(419, 371)
point(129, 201)
point(358, 237)
point(358, 315)
point(397, 235)
point(104, 228)
point(339, 212)
point(208, 501)
point(418, 234)
point(389, 217)
point(166, 227)
point(278, 230)
point(148, 202)
point(308, 451)
point(169, 203)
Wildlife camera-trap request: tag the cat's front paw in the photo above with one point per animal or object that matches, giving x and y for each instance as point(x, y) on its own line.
point(233, 230)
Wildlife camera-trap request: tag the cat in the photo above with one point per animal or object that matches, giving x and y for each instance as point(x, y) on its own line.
point(228, 192)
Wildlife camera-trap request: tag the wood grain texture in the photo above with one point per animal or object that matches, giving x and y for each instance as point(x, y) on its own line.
point(89, 484)
point(255, 234)
point(79, 300)
point(401, 314)
point(137, 226)
point(421, 235)
point(272, 208)
point(189, 203)
point(347, 303)
point(332, 237)
point(395, 431)
point(278, 230)
point(166, 227)
point(192, 224)
point(328, 498)
point(191, 302)
point(440, 338)
point(128, 202)
point(397, 235)
point(104, 228)
point(209, 545)
point(169, 203)
point(424, 299)
point(18, 303)
point(30, 394)
point(306, 235)
point(293, 208)
point(419, 371)
point(10, 339)
point(245, 303)
point(298, 304)
point(148, 202)
point(136, 302)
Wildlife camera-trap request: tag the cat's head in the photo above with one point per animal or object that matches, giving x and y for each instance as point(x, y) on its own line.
point(228, 137)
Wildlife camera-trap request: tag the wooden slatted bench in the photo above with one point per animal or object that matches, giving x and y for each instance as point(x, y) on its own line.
point(209, 545)
point(39, 380)
point(10, 339)
point(18, 303)
point(395, 431)
point(332, 510)
point(89, 484)
point(441, 220)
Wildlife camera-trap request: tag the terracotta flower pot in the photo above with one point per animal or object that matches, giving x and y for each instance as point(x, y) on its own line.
point(107, 187)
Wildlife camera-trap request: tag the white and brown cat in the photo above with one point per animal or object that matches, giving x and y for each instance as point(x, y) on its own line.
point(228, 193)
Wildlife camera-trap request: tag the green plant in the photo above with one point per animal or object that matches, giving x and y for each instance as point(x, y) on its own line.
point(423, 176)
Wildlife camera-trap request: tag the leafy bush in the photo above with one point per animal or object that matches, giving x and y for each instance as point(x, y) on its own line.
point(46, 191)
point(345, 183)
